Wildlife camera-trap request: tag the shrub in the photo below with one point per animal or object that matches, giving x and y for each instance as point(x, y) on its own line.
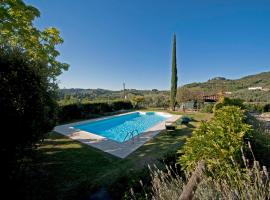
point(254, 107)
point(119, 105)
point(247, 183)
point(137, 101)
point(87, 110)
point(69, 112)
point(216, 141)
point(28, 109)
point(225, 101)
point(260, 140)
point(207, 107)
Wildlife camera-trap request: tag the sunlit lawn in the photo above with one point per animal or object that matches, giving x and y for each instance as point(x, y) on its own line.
point(72, 167)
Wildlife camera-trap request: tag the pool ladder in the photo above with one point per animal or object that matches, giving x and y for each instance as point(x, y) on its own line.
point(130, 135)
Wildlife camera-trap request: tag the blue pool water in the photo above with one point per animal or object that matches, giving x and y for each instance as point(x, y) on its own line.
point(116, 128)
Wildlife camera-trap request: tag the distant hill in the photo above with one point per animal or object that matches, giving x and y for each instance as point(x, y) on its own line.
point(219, 83)
point(102, 94)
point(238, 89)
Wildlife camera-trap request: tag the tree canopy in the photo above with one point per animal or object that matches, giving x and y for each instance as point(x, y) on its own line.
point(17, 30)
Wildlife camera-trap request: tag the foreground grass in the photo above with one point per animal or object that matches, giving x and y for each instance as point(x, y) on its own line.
point(68, 168)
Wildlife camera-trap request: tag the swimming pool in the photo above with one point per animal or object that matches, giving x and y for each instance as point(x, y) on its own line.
point(119, 128)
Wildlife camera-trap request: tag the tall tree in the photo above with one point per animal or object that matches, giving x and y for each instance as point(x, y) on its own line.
point(17, 30)
point(174, 76)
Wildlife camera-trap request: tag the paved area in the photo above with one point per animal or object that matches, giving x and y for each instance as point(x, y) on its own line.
point(118, 149)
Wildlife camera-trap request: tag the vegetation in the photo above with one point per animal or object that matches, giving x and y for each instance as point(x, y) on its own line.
point(251, 183)
point(137, 101)
point(68, 169)
point(105, 95)
point(260, 140)
point(216, 141)
point(28, 109)
point(228, 173)
point(225, 101)
point(17, 30)
point(255, 100)
point(88, 110)
point(174, 76)
point(29, 68)
point(57, 167)
point(238, 87)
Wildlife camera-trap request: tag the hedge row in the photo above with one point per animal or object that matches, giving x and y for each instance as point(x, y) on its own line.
point(258, 107)
point(88, 110)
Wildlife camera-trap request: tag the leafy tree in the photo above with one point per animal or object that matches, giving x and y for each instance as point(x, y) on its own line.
point(137, 100)
point(17, 30)
point(185, 94)
point(27, 105)
point(217, 141)
point(225, 101)
point(174, 76)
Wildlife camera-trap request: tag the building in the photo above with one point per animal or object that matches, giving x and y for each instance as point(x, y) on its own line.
point(255, 88)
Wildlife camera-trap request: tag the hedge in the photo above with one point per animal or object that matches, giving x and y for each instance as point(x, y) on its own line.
point(87, 110)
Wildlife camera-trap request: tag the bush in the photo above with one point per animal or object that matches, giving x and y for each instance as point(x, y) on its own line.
point(121, 105)
point(28, 109)
point(254, 107)
point(247, 183)
point(225, 101)
point(216, 141)
point(69, 112)
point(88, 110)
point(207, 107)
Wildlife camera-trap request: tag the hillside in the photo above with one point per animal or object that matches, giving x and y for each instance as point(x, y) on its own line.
point(102, 94)
point(238, 89)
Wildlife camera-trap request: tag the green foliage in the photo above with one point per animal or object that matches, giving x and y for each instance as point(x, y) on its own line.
point(228, 102)
point(207, 107)
point(216, 141)
point(185, 94)
point(260, 140)
point(238, 87)
point(257, 107)
point(254, 107)
point(156, 101)
point(71, 112)
point(152, 98)
point(137, 101)
point(17, 30)
point(248, 183)
point(174, 76)
point(120, 105)
point(27, 105)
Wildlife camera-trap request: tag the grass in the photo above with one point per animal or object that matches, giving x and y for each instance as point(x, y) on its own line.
point(68, 168)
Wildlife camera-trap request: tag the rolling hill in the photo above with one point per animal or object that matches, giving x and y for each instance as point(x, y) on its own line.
point(237, 87)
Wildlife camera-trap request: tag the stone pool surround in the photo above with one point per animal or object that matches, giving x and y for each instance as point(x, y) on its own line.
point(118, 149)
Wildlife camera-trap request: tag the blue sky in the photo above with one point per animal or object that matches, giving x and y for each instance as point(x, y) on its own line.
point(108, 42)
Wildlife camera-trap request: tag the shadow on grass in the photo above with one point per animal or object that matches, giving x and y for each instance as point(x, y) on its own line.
point(73, 169)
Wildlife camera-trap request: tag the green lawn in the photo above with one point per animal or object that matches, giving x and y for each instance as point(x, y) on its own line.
point(67, 167)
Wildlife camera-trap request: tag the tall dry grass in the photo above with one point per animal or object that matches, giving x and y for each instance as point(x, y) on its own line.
point(248, 182)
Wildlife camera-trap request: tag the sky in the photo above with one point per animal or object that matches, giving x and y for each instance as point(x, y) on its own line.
point(108, 42)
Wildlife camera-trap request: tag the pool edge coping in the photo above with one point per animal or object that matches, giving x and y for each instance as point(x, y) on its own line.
point(121, 150)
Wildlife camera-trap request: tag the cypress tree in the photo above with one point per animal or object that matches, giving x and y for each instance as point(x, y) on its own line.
point(174, 76)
